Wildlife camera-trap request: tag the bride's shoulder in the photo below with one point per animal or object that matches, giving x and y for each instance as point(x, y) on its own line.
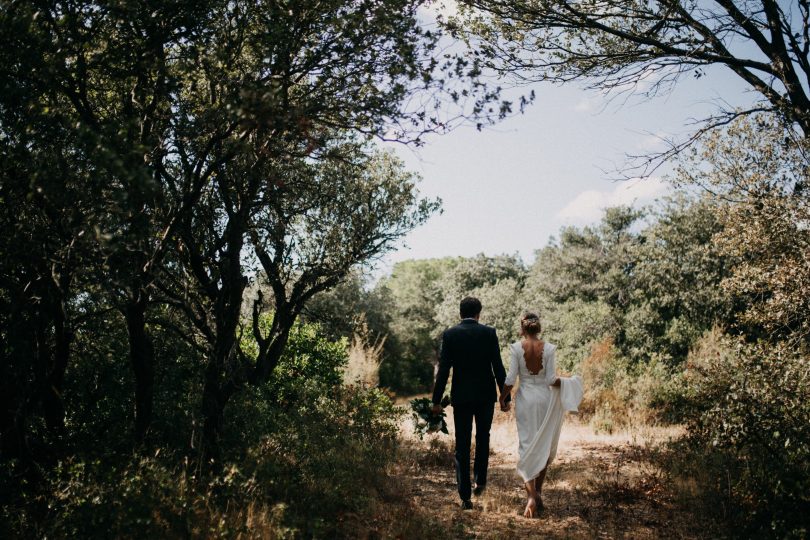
point(549, 346)
point(516, 347)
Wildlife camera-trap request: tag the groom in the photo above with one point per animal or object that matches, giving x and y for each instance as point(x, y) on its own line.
point(472, 350)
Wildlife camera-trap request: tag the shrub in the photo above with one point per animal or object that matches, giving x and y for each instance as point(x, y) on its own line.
point(406, 374)
point(328, 454)
point(750, 421)
point(324, 462)
point(604, 400)
point(575, 326)
point(308, 357)
point(316, 445)
point(304, 455)
point(619, 393)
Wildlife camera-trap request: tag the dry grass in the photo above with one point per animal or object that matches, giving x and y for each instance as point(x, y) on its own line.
point(365, 357)
point(600, 486)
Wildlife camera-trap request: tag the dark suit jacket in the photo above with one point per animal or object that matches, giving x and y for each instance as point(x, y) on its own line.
point(472, 350)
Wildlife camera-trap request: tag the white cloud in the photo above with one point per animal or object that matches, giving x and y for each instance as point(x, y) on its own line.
point(585, 105)
point(653, 142)
point(587, 207)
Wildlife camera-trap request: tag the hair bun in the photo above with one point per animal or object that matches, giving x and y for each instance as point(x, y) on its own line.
point(530, 323)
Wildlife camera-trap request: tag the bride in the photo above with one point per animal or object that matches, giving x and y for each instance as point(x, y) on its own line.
point(541, 400)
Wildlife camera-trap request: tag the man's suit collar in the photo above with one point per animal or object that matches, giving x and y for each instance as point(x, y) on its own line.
point(468, 321)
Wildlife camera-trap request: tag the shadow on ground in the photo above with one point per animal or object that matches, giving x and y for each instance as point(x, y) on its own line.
point(599, 486)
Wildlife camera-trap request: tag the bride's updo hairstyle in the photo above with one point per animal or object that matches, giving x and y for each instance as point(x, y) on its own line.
point(530, 324)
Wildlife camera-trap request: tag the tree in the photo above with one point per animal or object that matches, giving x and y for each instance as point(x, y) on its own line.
point(157, 99)
point(47, 257)
point(677, 293)
point(308, 223)
point(424, 297)
point(341, 311)
point(757, 172)
point(496, 281)
point(653, 289)
point(591, 263)
point(625, 45)
point(414, 292)
point(748, 390)
point(582, 283)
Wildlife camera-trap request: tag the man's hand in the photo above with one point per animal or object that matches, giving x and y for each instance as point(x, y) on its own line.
point(436, 408)
point(505, 405)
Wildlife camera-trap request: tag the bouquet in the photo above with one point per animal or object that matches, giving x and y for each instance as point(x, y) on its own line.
point(423, 418)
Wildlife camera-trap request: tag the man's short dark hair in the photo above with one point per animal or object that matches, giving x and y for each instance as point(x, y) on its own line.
point(470, 307)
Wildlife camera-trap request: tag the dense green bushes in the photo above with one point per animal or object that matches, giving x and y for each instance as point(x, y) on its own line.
point(325, 459)
point(301, 457)
point(749, 425)
point(646, 279)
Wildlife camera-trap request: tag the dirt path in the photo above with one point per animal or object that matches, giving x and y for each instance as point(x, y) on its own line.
point(599, 486)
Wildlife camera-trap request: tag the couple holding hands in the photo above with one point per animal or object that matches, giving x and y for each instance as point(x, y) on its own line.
point(472, 351)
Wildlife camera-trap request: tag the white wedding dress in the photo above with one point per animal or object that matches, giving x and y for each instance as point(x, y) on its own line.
point(539, 408)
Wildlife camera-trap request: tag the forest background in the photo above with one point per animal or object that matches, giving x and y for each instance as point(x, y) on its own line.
point(192, 192)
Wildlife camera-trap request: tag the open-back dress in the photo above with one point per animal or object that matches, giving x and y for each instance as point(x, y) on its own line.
point(539, 408)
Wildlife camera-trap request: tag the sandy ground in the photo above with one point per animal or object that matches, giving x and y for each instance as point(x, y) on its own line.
point(599, 486)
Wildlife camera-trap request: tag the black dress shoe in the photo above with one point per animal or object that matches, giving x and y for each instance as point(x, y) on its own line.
point(466, 505)
point(479, 489)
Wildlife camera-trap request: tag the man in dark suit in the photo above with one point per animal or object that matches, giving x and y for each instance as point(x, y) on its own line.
point(472, 350)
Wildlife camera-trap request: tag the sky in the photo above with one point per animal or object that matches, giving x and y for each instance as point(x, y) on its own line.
point(508, 189)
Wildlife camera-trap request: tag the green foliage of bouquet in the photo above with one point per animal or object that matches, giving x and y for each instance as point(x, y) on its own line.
point(423, 418)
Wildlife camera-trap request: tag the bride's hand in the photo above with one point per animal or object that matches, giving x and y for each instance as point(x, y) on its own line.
point(504, 405)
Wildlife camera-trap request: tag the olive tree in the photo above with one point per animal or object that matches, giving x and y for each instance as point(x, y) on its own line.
point(304, 225)
point(159, 99)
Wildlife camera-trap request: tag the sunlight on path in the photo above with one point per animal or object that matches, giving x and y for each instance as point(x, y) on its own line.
point(599, 486)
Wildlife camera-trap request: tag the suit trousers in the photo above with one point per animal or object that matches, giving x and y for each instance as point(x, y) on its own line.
point(463, 415)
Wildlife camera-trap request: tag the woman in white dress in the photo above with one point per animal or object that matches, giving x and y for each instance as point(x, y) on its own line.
point(536, 407)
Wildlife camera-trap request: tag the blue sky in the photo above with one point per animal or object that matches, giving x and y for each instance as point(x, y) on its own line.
point(509, 188)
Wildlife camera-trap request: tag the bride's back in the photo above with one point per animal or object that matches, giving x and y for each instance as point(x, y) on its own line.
point(533, 354)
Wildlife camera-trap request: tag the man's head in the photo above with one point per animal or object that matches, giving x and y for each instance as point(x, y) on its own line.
point(470, 308)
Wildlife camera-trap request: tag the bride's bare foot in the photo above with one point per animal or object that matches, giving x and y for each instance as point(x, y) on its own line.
point(531, 508)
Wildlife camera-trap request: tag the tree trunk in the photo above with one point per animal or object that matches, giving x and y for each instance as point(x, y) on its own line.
point(18, 355)
point(215, 398)
point(141, 355)
point(217, 391)
point(12, 437)
point(52, 402)
point(283, 321)
point(224, 374)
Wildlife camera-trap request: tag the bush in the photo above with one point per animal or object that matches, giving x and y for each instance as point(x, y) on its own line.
point(619, 393)
point(314, 444)
point(304, 456)
point(750, 421)
point(328, 455)
point(326, 460)
point(575, 326)
point(603, 374)
point(406, 374)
